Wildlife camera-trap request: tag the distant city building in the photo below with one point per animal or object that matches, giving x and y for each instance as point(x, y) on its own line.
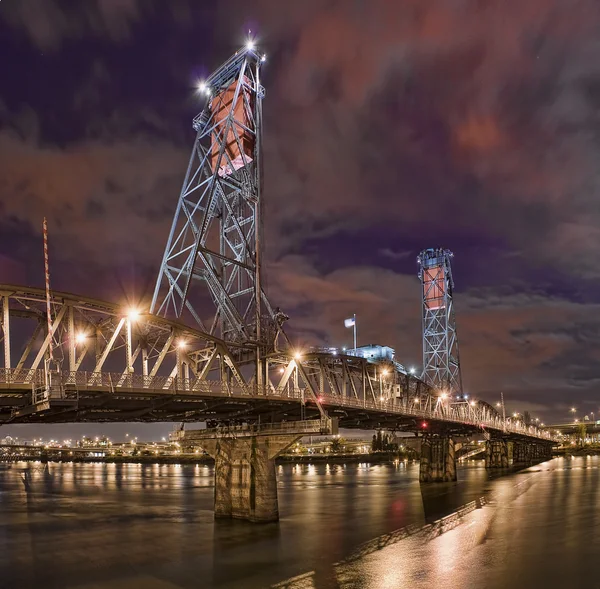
point(374, 352)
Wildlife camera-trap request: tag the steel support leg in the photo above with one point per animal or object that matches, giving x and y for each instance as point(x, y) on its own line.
point(496, 454)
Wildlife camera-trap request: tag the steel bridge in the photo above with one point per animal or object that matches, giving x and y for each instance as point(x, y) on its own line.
point(69, 358)
point(116, 363)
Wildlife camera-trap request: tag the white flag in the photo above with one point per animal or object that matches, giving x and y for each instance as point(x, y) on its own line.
point(350, 322)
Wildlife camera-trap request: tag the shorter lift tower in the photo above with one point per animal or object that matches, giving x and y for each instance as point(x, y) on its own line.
point(441, 364)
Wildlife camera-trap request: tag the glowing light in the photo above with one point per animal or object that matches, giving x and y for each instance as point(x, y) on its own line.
point(515, 414)
point(472, 403)
point(412, 370)
point(263, 58)
point(250, 45)
point(416, 399)
point(181, 344)
point(297, 356)
point(424, 424)
point(381, 398)
point(80, 337)
point(133, 314)
point(466, 396)
point(320, 399)
point(385, 372)
point(498, 404)
point(443, 396)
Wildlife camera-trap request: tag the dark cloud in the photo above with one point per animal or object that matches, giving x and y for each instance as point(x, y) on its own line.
point(48, 23)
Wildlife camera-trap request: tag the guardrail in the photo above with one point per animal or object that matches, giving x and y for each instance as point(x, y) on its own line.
point(63, 382)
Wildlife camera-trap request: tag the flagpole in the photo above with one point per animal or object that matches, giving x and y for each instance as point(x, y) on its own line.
point(355, 333)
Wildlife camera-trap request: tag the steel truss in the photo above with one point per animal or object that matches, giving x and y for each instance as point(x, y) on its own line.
point(441, 363)
point(215, 238)
point(121, 365)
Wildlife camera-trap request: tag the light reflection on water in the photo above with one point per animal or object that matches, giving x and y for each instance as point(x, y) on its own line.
point(93, 525)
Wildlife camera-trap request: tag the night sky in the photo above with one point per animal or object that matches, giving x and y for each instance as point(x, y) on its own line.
point(389, 127)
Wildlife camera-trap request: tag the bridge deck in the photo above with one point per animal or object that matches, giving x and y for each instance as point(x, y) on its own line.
point(88, 396)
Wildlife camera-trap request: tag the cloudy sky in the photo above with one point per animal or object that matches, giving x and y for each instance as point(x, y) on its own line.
point(389, 127)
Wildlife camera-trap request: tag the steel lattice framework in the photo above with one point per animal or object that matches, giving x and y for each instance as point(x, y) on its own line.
point(215, 238)
point(441, 363)
point(120, 364)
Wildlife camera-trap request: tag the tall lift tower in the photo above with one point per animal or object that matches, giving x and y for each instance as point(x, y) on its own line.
point(213, 252)
point(441, 364)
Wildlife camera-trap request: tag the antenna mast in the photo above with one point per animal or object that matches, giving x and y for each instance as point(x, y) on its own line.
point(47, 281)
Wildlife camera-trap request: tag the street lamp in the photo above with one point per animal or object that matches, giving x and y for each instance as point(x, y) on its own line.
point(382, 373)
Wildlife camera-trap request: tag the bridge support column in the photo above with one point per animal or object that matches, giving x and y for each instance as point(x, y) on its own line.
point(521, 453)
point(496, 453)
point(438, 460)
point(245, 476)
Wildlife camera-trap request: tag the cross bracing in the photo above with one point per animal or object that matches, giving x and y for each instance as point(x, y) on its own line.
point(441, 364)
point(214, 246)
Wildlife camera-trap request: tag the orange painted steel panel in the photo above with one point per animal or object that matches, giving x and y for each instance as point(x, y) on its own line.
point(221, 106)
point(433, 287)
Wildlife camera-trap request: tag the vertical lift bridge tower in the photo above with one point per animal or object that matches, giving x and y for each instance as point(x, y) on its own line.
point(213, 252)
point(441, 364)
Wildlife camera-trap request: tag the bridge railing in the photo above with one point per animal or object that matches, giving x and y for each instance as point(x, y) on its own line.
point(82, 380)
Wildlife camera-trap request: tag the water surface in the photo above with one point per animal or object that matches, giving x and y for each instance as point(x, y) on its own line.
point(151, 526)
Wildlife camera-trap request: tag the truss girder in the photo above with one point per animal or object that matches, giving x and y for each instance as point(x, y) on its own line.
point(147, 345)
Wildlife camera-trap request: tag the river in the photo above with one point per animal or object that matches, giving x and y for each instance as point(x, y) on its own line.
point(125, 526)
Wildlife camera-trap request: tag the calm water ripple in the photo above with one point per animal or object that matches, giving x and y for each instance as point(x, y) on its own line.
point(95, 526)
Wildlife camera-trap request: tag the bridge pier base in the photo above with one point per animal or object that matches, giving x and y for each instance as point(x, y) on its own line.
point(438, 460)
point(521, 453)
point(496, 453)
point(245, 476)
point(546, 452)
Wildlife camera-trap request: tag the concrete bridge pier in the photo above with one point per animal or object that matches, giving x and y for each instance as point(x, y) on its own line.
point(438, 459)
point(245, 476)
point(496, 453)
